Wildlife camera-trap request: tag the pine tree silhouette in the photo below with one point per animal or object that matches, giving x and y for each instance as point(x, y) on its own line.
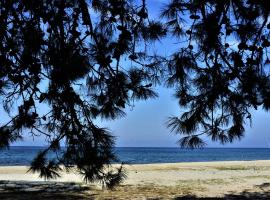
point(67, 55)
point(221, 71)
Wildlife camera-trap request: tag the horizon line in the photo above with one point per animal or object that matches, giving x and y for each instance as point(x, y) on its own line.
point(157, 147)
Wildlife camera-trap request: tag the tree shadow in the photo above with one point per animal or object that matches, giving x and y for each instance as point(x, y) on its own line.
point(263, 194)
point(25, 190)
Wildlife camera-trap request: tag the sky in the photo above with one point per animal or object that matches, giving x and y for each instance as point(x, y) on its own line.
point(144, 125)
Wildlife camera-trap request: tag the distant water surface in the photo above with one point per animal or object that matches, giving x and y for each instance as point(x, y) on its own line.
point(144, 155)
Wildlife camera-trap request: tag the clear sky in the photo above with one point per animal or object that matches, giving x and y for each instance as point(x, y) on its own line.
point(144, 125)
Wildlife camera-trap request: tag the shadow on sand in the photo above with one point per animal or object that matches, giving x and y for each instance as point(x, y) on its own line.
point(263, 194)
point(23, 190)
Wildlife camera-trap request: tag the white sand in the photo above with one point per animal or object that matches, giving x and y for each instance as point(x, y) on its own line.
point(199, 178)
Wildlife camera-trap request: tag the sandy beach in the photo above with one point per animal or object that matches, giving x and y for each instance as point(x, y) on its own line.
point(219, 180)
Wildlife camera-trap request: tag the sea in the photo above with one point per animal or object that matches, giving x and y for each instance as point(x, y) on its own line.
point(22, 155)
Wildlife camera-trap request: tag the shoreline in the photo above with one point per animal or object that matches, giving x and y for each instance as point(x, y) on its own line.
point(167, 180)
point(167, 163)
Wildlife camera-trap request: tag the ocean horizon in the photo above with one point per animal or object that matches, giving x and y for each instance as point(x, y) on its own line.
point(23, 155)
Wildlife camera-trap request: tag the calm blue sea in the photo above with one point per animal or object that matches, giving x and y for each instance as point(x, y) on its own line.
point(141, 155)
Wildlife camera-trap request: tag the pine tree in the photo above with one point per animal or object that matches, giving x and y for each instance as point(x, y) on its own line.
point(73, 57)
point(221, 70)
point(67, 55)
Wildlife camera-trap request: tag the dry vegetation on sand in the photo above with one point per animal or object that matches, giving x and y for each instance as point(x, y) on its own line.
point(215, 180)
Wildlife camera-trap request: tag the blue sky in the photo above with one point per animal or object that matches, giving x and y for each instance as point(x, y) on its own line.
point(144, 125)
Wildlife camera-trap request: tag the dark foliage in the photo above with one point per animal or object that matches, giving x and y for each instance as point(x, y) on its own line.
point(83, 59)
point(221, 71)
point(66, 55)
